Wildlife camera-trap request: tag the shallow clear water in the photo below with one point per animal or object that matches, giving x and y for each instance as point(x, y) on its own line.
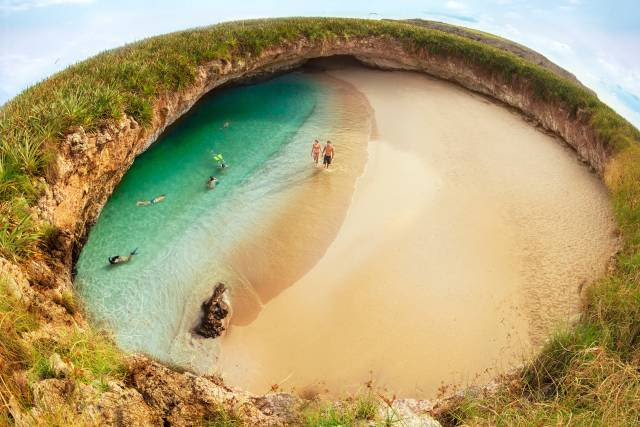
point(181, 240)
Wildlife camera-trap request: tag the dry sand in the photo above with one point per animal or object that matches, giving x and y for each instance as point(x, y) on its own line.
point(466, 241)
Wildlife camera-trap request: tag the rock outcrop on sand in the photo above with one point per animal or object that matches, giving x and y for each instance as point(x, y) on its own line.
point(215, 310)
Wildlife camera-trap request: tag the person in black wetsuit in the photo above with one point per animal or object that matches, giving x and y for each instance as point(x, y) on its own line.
point(121, 259)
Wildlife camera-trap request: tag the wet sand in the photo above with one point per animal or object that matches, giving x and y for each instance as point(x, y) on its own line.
point(306, 218)
point(467, 239)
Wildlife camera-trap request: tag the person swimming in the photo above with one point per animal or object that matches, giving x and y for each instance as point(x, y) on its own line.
point(218, 158)
point(121, 259)
point(153, 201)
point(211, 182)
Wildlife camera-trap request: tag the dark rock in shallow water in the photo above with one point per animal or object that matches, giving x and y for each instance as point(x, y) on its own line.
point(215, 311)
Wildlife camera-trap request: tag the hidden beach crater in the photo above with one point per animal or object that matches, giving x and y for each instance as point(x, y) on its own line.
point(180, 258)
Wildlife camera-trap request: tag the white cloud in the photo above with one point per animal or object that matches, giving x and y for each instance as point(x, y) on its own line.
point(627, 78)
point(560, 47)
point(510, 31)
point(455, 5)
point(19, 5)
point(17, 71)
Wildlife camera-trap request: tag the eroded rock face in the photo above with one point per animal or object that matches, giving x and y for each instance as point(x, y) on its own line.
point(79, 404)
point(215, 312)
point(184, 399)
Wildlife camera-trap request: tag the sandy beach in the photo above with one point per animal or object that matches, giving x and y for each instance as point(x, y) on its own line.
point(461, 250)
point(306, 216)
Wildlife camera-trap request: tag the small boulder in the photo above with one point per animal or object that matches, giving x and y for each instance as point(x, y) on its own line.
point(59, 368)
point(409, 413)
point(215, 311)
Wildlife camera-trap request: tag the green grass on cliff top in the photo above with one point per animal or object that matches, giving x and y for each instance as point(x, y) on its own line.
point(571, 378)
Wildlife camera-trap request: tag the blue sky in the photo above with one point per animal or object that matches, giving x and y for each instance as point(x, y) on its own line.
point(597, 40)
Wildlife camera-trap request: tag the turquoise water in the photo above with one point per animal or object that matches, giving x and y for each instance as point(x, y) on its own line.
point(151, 303)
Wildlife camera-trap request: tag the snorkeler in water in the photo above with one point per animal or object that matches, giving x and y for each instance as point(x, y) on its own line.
point(218, 158)
point(211, 182)
point(121, 259)
point(153, 201)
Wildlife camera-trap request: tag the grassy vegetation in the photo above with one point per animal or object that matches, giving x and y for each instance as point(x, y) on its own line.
point(588, 375)
point(67, 300)
point(223, 418)
point(92, 357)
point(356, 411)
point(15, 353)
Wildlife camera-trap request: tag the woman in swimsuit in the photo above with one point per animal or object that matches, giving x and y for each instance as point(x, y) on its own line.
point(315, 151)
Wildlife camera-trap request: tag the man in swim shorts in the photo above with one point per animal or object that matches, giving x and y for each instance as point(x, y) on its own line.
point(328, 151)
point(315, 151)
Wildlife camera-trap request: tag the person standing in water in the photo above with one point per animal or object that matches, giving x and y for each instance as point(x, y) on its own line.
point(328, 151)
point(315, 151)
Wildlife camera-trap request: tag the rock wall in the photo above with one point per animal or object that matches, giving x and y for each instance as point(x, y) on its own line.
point(90, 166)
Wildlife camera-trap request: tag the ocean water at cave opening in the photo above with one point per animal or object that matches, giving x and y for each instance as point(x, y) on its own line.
point(183, 243)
